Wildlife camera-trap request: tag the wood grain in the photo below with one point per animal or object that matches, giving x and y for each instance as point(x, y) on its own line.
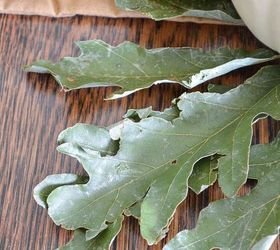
point(33, 111)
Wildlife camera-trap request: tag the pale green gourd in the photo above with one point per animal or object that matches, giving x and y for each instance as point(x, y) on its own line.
point(263, 19)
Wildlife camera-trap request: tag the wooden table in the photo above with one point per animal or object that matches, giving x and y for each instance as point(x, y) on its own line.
point(33, 111)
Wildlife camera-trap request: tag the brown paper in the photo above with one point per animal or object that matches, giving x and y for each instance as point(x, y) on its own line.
point(63, 8)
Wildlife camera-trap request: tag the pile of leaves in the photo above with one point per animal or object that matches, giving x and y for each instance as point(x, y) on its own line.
point(144, 165)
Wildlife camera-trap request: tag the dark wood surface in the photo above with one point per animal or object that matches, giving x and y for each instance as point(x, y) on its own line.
point(33, 111)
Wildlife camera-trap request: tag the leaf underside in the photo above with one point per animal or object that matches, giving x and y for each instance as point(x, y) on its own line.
point(133, 68)
point(248, 222)
point(137, 169)
point(222, 10)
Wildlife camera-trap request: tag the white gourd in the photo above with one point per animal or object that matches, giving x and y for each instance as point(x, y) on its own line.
point(263, 18)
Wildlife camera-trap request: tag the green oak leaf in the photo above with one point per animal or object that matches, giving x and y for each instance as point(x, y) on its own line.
point(102, 242)
point(155, 158)
point(248, 222)
point(196, 182)
point(222, 10)
point(133, 68)
point(79, 137)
